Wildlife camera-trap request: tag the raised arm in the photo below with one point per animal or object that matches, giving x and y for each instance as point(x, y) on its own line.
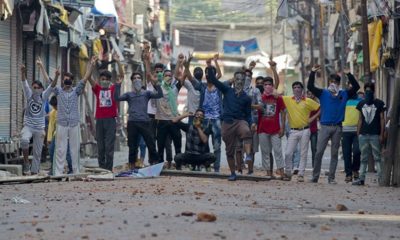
point(222, 87)
point(25, 86)
point(179, 64)
point(158, 93)
point(117, 93)
point(354, 84)
point(277, 81)
point(147, 65)
point(89, 71)
point(219, 73)
point(311, 82)
point(56, 76)
point(42, 70)
point(121, 71)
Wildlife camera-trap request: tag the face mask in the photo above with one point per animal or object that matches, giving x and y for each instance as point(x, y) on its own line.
point(268, 89)
point(198, 75)
point(159, 76)
point(298, 93)
point(247, 82)
point(239, 83)
point(333, 88)
point(105, 84)
point(167, 80)
point(369, 97)
point(68, 82)
point(137, 85)
point(261, 88)
point(37, 91)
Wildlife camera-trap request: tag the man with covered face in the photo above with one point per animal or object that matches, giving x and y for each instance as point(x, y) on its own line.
point(197, 151)
point(236, 117)
point(167, 110)
point(68, 119)
point(106, 114)
point(34, 121)
point(211, 103)
point(333, 103)
point(139, 121)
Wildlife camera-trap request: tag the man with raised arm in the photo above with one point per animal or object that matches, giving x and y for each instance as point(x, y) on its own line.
point(106, 114)
point(34, 120)
point(68, 119)
point(236, 117)
point(139, 121)
point(333, 103)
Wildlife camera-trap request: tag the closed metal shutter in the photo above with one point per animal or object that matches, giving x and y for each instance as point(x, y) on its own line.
point(17, 98)
point(54, 60)
point(5, 76)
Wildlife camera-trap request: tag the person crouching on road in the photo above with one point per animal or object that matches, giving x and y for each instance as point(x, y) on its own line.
point(197, 151)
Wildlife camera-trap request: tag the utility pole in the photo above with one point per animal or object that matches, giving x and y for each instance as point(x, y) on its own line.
point(321, 43)
point(310, 35)
point(365, 41)
point(271, 30)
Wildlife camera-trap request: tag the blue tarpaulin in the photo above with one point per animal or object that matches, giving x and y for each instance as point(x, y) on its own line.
point(234, 47)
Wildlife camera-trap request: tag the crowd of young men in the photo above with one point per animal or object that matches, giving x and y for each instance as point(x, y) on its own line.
point(244, 116)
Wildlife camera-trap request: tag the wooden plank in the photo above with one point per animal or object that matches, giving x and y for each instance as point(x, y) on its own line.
point(211, 175)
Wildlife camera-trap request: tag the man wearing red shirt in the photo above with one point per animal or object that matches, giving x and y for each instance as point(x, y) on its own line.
point(270, 130)
point(106, 114)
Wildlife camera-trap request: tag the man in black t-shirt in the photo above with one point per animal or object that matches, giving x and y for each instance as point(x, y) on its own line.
point(370, 129)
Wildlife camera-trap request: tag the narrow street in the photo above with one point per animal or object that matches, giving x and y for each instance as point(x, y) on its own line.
point(152, 209)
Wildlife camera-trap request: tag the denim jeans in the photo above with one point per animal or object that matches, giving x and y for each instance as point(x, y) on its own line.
point(214, 127)
point(313, 142)
point(51, 153)
point(370, 143)
point(351, 153)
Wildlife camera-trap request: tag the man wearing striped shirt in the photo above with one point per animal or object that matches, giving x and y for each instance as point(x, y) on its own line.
point(68, 120)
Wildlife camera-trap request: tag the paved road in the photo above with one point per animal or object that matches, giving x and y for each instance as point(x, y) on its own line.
point(151, 209)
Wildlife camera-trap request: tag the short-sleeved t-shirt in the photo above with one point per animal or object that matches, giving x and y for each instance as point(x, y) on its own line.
point(299, 112)
point(106, 107)
point(371, 116)
point(268, 117)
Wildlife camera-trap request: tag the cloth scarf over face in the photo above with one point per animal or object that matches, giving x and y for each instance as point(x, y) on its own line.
point(171, 97)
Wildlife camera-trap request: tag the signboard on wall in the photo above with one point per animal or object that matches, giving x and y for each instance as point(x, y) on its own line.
point(79, 3)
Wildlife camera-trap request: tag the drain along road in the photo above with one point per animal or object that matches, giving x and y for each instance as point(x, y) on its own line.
point(152, 209)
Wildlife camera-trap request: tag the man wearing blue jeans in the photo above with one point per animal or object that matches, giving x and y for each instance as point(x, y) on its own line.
point(350, 146)
point(333, 102)
point(211, 103)
point(370, 131)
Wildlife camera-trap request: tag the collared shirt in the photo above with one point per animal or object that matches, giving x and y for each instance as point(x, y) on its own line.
point(68, 105)
point(137, 102)
point(194, 145)
point(236, 106)
point(299, 111)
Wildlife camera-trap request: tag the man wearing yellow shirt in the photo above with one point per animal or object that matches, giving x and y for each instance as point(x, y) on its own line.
point(299, 109)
